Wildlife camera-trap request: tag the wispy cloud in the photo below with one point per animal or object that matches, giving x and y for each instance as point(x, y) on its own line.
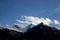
point(34, 20)
point(26, 20)
point(56, 22)
point(15, 29)
point(57, 9)
point(37, 20)
point(23, 21)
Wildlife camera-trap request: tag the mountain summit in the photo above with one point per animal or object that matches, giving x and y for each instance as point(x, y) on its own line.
point(42, 32)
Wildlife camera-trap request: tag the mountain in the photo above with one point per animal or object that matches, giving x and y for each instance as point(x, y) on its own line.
point(18, 28)
point(28, 27)
point(7, 34)
point(39, 32)
point(42, 32)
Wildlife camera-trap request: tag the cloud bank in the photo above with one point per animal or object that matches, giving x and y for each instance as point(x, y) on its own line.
point(23, 23)
point(37, 20)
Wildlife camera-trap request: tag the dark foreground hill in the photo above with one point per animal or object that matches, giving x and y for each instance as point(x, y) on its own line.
point(39, 32)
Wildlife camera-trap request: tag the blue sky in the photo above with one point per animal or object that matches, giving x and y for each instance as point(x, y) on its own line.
point(10, 10)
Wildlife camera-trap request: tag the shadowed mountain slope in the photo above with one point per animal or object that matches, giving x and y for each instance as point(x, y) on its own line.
point(42, 32)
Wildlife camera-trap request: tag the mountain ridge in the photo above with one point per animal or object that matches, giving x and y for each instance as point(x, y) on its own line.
point(39, 32)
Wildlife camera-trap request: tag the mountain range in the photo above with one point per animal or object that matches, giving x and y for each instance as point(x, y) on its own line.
point(38, 32)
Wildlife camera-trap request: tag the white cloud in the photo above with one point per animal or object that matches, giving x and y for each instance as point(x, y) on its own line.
point(56, 22)
point(34, 20)
point(15, 29)
point(20, 25)
point(22, 21)
point(27, 20)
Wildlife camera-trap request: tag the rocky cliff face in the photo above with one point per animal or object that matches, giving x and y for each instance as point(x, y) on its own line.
point(39, 32)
